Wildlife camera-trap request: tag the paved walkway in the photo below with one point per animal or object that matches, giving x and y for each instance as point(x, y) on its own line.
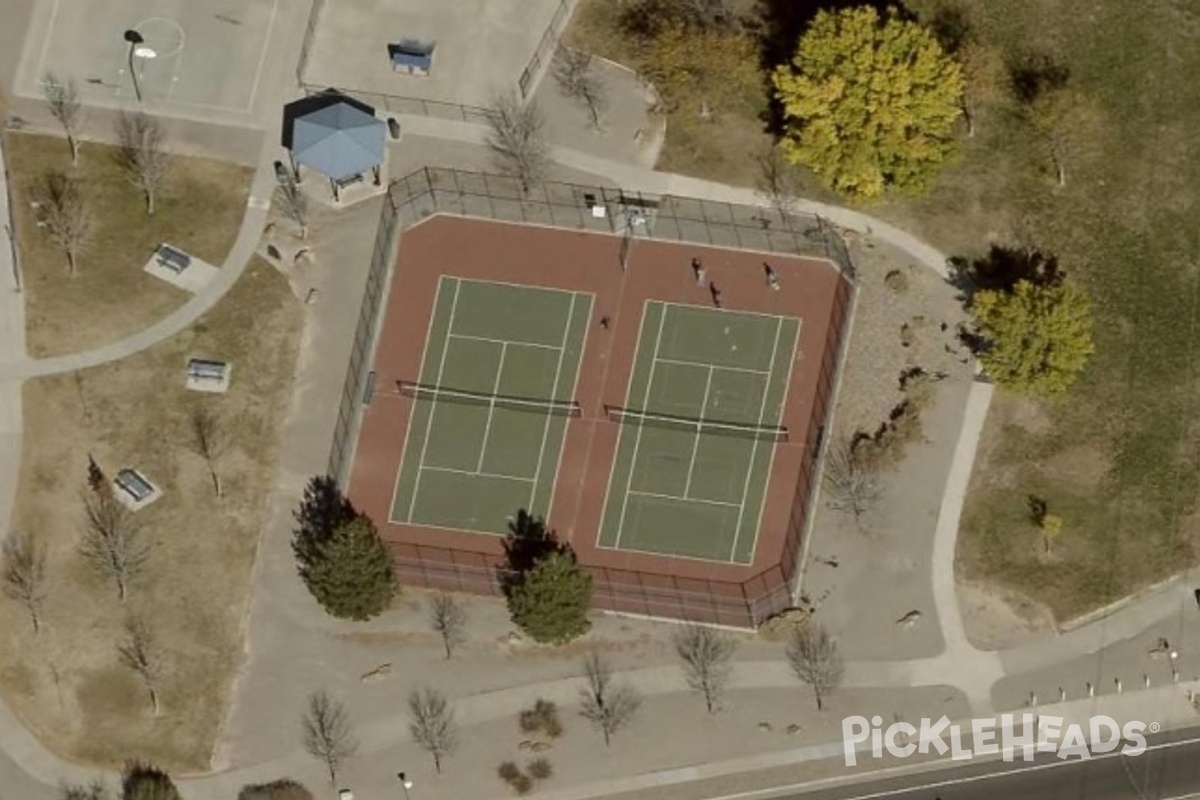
point(961, 664)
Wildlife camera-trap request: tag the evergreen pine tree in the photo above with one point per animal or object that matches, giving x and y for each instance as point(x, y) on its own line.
point(352, 574)
point(323, 510)
point(143, 781)
point(550, 602)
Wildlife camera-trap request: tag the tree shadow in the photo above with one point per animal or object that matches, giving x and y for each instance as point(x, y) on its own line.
point(1034, 73)
point(1001, 269)
point(528, 541)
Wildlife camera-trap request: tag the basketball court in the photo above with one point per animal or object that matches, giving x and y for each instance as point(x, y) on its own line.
point(698, 432)
point(198, 55)
point(491, 406)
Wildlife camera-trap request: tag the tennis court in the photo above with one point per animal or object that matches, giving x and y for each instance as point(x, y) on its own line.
point(698, 432)
point(491, 404)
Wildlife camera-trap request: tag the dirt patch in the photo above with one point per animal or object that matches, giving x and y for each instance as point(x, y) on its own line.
point(199, 208)
point(74, 693)
point(997, 620)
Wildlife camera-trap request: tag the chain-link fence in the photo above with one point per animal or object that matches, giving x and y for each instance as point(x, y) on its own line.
point(414, 106)
point(546, 47)
point(573, 206)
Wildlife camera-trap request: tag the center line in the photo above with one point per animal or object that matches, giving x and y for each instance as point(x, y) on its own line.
point(491, 408)
point(687, 486)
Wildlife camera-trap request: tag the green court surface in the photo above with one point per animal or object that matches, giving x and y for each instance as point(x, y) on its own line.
point(697, 490)
point(470, 460)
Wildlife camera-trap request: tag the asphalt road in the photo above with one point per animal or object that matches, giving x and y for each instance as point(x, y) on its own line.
point(1170, 768)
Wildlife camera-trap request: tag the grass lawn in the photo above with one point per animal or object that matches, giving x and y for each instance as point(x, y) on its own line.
point(1119, 459)
point(67, 683)
point(200, 208)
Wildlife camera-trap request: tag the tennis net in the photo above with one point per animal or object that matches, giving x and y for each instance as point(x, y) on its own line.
point(770, 433)
point(534, 405)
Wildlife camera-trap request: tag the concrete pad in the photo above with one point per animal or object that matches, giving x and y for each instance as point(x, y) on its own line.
point(193, 279)
point(481, 46)
point(206, 57)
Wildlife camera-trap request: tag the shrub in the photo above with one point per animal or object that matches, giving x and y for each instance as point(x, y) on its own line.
point(522, 784)
point(896, 281)
point(540, 769)
point(541, 718)
point(275, 790)
point(508, 771)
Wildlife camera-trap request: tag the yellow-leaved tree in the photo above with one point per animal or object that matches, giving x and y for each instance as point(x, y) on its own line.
point(704, 72)
point(1037, 338)
point(870, 102)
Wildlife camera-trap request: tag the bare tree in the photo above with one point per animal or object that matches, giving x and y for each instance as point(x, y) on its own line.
point(139, 652)
point(577, 78)
point(96, 790)
point(776, 181)
point(294, 204)
point(814, 657)
point(327, 732)
point(517, 140)
point(112, 541)
point(432, 725)
point(448, 619)
point(209, 440)
point(609, 708)
point(852, 484)
point(24, 573)
point(63, 99)
point(65, 216)
point(706, 655)
point(140, 138)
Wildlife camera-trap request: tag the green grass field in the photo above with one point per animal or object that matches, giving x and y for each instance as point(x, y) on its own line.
point(471, 462)
point(1119, 459)
point(689, 490)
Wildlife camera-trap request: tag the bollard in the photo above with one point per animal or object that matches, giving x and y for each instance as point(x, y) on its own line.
point(1091, 690)
point(1033, 699)
point(1175, 675)
point(1146, 680)
point(1062, 695)
point(1118, 681)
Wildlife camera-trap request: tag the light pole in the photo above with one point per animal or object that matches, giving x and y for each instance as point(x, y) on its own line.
point(137, 48)
point(406, 783)
point(134, 38)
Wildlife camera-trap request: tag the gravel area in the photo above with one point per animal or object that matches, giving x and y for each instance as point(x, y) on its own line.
point(870, 585)
point(929, 312)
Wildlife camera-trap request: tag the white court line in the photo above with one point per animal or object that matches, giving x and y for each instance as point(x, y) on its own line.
point(487, 429)
point(413, 411)
point(612, 467)
point(637, 442)
point(562, 351)
point(473, 338)
point(721, 366)
point(762, 409)
point(476, 474)
point(433, 408)
point(262, 56)
point(178, 61)
point(687, 486)
point(684, 499)
point(41, 66)
point(734, 311)
point(795, 356)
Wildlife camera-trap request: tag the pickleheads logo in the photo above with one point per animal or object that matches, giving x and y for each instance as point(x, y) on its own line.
point(1041, 734)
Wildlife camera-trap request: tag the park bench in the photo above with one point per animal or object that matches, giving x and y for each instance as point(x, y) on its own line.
point(173, 258)
point(201, 369)
point(133, 484)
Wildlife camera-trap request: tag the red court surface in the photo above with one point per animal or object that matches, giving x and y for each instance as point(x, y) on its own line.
point(657, 585)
